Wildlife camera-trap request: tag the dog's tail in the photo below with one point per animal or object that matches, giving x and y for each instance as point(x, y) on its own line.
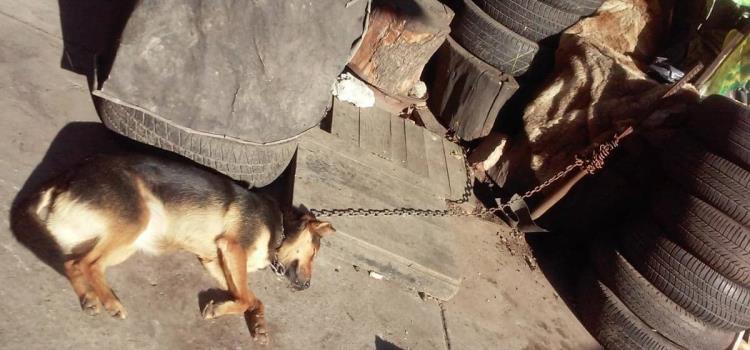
point(27, 218)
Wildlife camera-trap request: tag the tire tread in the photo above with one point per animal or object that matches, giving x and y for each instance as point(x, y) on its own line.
point(261, 166)
point(532, 19)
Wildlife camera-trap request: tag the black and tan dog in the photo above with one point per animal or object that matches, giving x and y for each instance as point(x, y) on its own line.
point(109, 207)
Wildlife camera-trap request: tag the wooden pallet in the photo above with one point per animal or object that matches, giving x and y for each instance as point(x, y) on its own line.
point(437, 163)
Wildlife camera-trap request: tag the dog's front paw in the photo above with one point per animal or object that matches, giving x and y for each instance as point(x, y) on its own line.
point(209, 311)
point(258, 328)
point(90, 304)
point(116, 309)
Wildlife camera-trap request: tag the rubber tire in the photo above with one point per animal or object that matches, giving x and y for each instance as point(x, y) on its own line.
point(713, 237)
point(611, 323)
point(715, 180)
point(258, 165)
point(533, 19)
point(652, 306)
point(579, 7)
point(492, 42)
point(724, 126)
point(683, 278)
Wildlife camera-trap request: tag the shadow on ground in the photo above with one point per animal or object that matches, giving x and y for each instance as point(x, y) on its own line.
point(91, 31)
point(382, 344)
point(591, 210)
point(74, 143)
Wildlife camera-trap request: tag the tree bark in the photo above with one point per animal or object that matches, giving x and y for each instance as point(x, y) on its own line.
point(400, 39)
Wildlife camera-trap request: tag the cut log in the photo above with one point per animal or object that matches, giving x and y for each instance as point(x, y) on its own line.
point(400, 39)
point(465, 93)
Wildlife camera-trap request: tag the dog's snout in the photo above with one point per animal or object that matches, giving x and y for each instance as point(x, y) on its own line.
point(301, 285)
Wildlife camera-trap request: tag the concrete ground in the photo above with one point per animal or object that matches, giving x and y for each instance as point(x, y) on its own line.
point(47, 119)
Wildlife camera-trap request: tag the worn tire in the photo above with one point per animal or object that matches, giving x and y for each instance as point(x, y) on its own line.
point(579, 7)
point(713, 237)
point(256, 164)
point(492, 42)
point(652, 306)
point(713, 179)
point(611, 323)
point(533, 19)
point(724, 126)
point(683, 278)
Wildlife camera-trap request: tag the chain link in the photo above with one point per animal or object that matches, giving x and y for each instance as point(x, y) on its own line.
point(592, 164)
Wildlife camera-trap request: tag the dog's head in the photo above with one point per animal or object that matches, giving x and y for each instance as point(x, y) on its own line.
point(301, 245)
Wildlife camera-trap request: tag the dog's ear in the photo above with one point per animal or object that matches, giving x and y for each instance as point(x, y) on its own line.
point(296, 213)
point(322, 228)
point(302, 213)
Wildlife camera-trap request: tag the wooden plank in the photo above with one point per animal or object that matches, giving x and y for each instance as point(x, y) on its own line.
point(320, 140)
point(375, 131)
point(398, 141)
point(436, 163)
point(345, 121)
point(416, 159)
point(456, 169)
point(331, 176)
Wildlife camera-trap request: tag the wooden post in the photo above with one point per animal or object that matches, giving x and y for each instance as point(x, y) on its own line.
point(400, 39)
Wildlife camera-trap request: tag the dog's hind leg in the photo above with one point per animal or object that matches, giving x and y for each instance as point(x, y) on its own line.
point(93, 266)
point(234, 264)
point(86, 296)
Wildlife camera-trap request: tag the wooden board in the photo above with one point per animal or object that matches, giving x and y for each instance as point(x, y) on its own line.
point(456, 168)
point(406, 150)
point(416, 159)
point(398, 141)
point(436, 163)
point(384, 166)
point(417, 251)
point(468, 100)
point(345, 121)
point(375, 131)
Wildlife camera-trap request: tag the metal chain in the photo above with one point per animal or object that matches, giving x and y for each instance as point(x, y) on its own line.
point(453, 209)
point(595, 162)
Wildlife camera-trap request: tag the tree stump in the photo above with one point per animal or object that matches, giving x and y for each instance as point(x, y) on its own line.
point(400, 39)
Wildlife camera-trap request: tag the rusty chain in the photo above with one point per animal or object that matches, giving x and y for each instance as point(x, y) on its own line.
point(593, 163)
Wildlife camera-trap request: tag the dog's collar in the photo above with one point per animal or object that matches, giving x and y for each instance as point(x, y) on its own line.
point(281, 239)
point(278, 268)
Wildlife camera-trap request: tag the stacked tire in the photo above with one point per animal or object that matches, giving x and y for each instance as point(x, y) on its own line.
point(507, 33)
point(676, 275)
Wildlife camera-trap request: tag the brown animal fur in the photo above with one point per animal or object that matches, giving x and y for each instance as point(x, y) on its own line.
point(110, 207)
point(598, 84)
